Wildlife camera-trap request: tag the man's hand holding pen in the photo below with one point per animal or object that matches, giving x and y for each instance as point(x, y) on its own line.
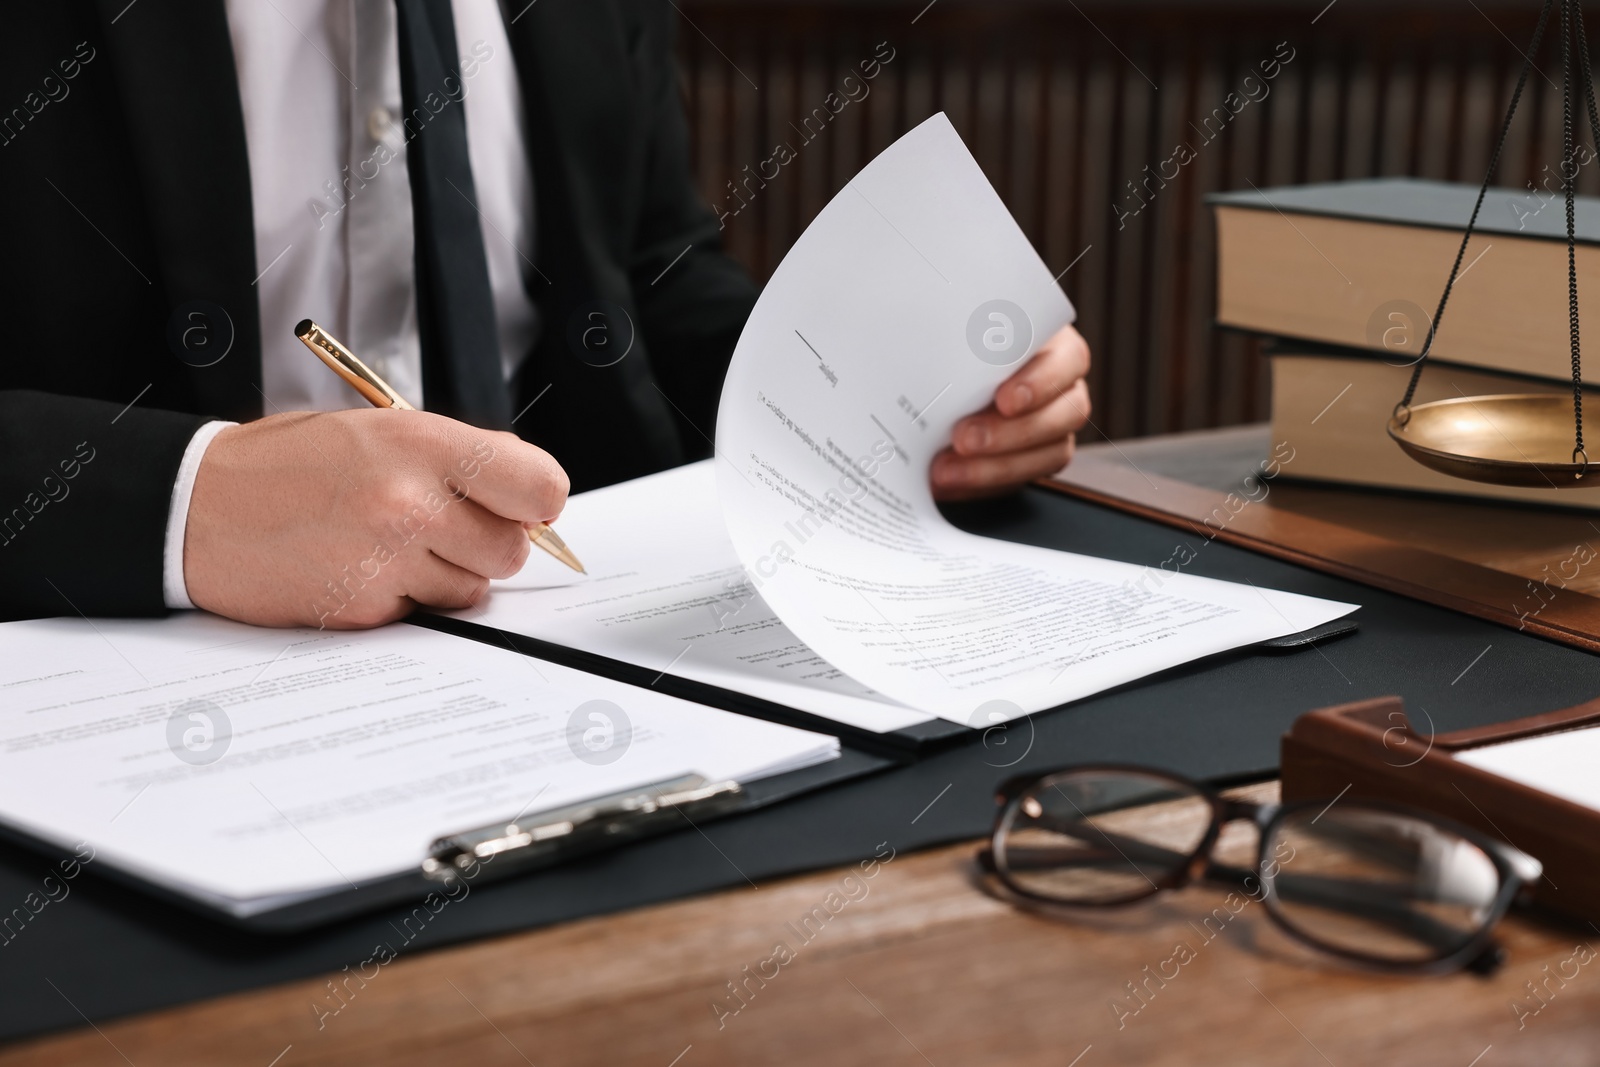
point(350, 519)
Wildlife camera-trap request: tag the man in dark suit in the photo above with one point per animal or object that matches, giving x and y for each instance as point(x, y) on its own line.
point(158, 446)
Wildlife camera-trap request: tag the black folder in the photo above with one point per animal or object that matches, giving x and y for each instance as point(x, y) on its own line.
point(910, 740)
point(913, 741)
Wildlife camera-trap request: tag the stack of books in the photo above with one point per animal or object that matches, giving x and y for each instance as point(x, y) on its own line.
point(1346, 276)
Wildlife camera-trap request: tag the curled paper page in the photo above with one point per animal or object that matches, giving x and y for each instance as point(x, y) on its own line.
point(908, 299)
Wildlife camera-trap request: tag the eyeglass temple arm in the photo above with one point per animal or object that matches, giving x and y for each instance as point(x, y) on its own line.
point(1121, 847)
point(1127, 848)
point(1325, 889)
point(1386, 905)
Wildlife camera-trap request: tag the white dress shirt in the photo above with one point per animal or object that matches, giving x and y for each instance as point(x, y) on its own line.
point(319, 81)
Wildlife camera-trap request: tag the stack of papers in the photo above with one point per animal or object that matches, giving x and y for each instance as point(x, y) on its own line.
point(253, 768)
point(1562, 763)
point(817, 571)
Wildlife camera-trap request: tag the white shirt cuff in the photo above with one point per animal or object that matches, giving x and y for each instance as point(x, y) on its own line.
point(173, 587)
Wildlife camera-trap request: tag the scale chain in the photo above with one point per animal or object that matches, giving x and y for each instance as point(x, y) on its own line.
point(1594, 128)
point(1494, 160)
point(1570, 163)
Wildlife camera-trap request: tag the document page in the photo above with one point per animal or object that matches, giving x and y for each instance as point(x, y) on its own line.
point(908, 299)
point(248, 766)
point(666, 591)
point(1562, 764)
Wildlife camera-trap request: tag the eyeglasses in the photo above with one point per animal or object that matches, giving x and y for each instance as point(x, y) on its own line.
point(1389, 887)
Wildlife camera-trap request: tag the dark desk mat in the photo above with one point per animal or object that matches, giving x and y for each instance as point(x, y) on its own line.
point(113, 951)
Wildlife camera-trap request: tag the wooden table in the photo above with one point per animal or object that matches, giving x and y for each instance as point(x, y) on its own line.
point(915, 965)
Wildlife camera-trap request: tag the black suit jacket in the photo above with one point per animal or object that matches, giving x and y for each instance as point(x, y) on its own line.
point(126, 192)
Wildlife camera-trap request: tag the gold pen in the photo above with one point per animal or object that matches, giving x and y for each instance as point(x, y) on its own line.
point(380, 393)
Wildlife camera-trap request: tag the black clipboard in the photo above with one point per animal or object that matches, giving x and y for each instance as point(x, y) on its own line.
point(422, 886)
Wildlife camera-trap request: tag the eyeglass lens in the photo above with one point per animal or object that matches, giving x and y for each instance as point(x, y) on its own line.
point(1379, 884)
point(1097, 837)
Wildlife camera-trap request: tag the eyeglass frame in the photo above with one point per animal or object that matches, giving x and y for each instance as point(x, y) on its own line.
point(1481, 953)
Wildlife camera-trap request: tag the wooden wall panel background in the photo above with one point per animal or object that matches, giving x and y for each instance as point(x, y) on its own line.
point(1065, 103)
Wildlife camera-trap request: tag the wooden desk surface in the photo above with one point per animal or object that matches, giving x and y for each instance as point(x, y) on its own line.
point(913, 966)
point(1528, 568)
point(1528, 542)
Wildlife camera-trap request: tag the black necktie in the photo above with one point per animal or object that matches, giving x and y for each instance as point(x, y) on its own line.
point(461, 371)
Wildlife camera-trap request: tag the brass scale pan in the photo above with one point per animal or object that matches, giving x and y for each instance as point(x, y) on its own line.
point(1511, 439)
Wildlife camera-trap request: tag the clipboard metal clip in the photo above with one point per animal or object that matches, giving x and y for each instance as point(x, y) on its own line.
point(560, 833)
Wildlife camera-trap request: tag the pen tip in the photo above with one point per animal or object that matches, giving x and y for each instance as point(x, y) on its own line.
point(303, 328)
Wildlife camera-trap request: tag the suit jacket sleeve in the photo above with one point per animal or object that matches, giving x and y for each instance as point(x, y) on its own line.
point(85, 486)
point(691, 317)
